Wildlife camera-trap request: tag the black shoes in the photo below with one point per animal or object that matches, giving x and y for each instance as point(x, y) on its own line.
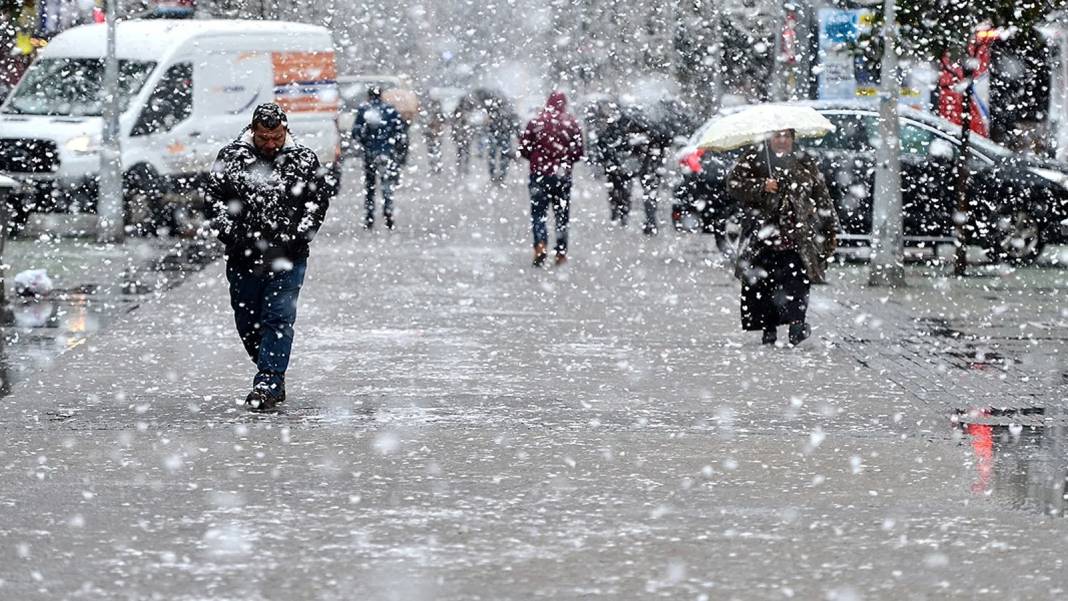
point(265, 397)
point(770, 336)
point(369, 222)
point(799, 331)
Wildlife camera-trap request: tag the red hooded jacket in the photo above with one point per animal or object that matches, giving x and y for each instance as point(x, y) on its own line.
point(552, 141)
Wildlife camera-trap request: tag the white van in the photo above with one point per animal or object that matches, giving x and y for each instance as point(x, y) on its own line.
point(188, 87)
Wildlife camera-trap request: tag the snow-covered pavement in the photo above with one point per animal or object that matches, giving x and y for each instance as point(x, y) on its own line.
point(462, 426)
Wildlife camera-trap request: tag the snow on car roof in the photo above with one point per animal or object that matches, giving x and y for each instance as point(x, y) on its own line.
point(149, 39)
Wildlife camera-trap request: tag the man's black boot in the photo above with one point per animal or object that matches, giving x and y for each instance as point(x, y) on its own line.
point(799, 331)
point(265, 397)
point(259, 398)
point(389, 221)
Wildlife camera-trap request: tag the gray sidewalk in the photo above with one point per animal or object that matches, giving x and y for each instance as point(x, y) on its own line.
point(461, 426)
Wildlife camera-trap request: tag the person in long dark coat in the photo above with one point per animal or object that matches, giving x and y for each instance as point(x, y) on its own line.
point(789, 232)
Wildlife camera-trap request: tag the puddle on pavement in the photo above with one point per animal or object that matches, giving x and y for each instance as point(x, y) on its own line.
point(969, 352)
point(937, 327)
point(1020, 457)
point(35, 332)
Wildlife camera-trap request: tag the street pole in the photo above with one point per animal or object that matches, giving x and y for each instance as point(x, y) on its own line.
point(962, 215)
point(716, 45)
point(778, 72)
point(887, 248)
point(110, 196)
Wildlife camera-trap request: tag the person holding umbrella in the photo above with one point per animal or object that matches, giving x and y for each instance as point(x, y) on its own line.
point(789, 223)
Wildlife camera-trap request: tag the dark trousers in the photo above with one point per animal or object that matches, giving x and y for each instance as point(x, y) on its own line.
point(619, 196)
point(650, 189)
point(265, 308)
point(500, 152)
point(774, 290)
point(463, 156)
point(379, 168)
point(433, 151)
point(554, 191)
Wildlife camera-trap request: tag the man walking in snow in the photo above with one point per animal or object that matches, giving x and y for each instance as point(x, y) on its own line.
point(268, 197)
point(552, 142)
point(383, 134)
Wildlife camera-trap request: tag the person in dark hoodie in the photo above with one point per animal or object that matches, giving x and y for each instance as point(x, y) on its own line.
point(552, 142)
point(267, 196)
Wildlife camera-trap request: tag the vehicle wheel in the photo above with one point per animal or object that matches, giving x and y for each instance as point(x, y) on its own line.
point(143, 206)
point(1016, 238)
point(729, 236)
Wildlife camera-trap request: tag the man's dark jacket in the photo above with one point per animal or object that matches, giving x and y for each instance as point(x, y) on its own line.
point(630, 144)
point(266, 209)
point(381, 131)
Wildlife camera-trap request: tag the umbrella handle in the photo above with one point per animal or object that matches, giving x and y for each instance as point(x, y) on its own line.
point(767, 156)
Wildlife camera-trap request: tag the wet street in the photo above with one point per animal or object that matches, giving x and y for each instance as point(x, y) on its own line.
point(92, 285)
point(463, 426)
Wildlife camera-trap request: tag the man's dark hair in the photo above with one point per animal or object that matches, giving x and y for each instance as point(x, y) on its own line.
point(270, 116)
point(374, 92)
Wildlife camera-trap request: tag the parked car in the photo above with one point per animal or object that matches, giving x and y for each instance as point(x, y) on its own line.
point(1018, 203)
point(187, 88)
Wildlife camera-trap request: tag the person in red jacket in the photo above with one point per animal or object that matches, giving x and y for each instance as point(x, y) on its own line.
point(552, 142)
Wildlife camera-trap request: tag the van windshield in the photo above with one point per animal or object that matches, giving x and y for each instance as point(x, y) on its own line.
point(74, 87)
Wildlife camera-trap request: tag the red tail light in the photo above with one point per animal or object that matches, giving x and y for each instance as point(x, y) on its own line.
point(692, 161)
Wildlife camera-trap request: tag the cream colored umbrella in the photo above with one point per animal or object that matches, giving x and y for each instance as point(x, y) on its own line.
point(755, 124)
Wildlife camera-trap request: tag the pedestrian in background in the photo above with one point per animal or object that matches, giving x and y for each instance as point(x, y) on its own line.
point(650, 143)
point(383, 133)
point(631, 145)
point(434, 129)
point(267, 198)
point(502, 129)
point(610, 144)
point(463, 131)
point(552, 142)
point(789, 232)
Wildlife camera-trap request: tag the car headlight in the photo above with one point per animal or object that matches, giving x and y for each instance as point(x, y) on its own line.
point(84, 144)
point(1054, 176)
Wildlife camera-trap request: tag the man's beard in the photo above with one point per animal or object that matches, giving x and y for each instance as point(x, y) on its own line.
point(266, 154)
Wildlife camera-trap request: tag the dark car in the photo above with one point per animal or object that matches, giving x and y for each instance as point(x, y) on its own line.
point(1017, 204)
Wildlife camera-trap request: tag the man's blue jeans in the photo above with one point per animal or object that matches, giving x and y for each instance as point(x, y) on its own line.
point(265, 308)
point(550, 191)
